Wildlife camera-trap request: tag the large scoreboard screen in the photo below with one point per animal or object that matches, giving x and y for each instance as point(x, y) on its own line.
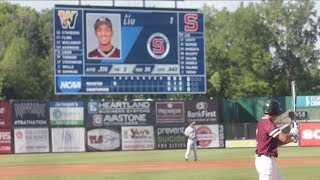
point(104, 50)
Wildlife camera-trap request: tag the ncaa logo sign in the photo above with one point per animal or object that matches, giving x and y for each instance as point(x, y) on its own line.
point(158, 45)
point(69, 84)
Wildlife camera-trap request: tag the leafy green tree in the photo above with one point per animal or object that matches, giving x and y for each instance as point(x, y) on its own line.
point(293, 25)
point(237, 50)
point(24, 62)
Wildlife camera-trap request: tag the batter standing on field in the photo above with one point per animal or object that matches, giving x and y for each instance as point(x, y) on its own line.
point(190, 132)
point(268, 138)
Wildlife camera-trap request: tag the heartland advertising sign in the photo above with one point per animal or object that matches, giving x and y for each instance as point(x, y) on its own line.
point(309, 134)
point(119, 113)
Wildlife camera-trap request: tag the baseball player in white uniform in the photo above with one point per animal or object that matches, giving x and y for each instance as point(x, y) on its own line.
point(269, 138)
point(190, 132)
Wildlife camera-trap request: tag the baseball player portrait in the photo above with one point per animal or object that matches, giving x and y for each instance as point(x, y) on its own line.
point(268, 139)
point(190, 132)
point(104, 33)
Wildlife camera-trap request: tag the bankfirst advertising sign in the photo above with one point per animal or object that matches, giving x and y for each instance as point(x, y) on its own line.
point(202, 111)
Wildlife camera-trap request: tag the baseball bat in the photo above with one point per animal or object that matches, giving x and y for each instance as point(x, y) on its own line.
point(294, 98)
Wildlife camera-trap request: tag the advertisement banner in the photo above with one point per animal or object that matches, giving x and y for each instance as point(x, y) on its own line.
point(137, 137)
point(308, 101)
point(170, 112)
point(208, 136)
point(5, 141)
point(64, 113)
point(309, 134)
point(5, 114)
point(202, 111)
point(31, 140)
point(103, 139)
point(68, 139)
point(119, 113)
point(30, 113)
point(170, 137)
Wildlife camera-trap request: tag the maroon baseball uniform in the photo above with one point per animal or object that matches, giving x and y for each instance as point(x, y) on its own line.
point(113, 53)
point(266, 133)
point(266, 151)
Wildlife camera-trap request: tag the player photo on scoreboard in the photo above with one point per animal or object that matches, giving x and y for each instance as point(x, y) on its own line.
point(103, 36)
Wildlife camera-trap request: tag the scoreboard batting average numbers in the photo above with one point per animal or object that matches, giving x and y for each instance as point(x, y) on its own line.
point(152, 51)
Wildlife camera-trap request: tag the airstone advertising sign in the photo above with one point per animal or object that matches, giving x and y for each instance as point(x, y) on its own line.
point(119, 113)
point(153, 51)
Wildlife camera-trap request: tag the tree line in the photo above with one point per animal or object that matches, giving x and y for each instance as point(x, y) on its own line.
point(254, 51)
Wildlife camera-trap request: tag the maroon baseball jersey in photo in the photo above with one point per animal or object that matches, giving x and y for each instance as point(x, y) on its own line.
point(113, 53)
point(266, 133)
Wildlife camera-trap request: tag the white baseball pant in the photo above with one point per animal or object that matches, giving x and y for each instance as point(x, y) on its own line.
point(192, 143)
point(267, 168)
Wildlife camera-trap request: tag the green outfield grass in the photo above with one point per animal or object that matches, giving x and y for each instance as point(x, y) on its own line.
point(298, 172)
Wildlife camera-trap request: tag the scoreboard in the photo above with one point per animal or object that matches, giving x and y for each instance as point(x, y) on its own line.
point(152, 51)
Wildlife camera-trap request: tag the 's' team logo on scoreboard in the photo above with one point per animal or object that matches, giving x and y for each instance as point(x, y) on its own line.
point(191, 22)
point(158, 45)
point(68, 18)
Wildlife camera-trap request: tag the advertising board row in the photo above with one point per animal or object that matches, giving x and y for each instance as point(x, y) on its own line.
point(79, 139)
point(77, 126)
point(107, 113)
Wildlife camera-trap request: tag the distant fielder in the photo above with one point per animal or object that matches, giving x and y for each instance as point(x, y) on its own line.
point(268, 139)
point(190, 132)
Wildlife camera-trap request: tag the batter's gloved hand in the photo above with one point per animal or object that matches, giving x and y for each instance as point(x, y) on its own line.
point(294, 131)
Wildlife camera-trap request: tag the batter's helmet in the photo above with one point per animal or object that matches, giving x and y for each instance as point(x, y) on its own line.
point(272, 107)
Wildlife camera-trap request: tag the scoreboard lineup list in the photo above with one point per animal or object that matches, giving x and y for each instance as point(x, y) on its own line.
point(162, 52)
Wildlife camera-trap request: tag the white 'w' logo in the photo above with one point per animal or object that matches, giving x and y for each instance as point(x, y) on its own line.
point(68, 18)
